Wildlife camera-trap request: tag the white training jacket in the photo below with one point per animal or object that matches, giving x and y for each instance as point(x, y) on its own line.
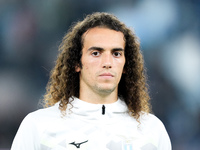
point(89, 126)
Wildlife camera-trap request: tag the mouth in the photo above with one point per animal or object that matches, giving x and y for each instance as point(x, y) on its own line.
point(106, 75)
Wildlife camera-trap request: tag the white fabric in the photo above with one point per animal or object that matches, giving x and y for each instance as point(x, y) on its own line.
point(84, 127)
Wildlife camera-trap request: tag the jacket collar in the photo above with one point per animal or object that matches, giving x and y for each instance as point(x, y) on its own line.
point(89, 111)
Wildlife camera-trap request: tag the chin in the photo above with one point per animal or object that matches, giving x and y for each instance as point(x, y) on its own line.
point(106, 90)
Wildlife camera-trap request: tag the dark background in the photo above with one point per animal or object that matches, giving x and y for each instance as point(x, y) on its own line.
point(169, 31)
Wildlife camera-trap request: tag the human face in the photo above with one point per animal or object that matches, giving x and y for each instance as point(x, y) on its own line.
point(102, 61)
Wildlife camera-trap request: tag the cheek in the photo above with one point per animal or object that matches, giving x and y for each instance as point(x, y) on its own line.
point(87, 68)
point(90, 64)
point(120, 64)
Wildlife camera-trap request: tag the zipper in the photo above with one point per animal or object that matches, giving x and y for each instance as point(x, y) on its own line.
point(103, 110)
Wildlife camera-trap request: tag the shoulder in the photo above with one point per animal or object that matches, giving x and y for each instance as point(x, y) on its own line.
point(151, 122)
point(33, 125)
point(150, 119)
point(152, 125)
point(44, 114)
point(37, 121)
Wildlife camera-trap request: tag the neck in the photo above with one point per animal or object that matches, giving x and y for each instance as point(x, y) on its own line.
point(100, 98)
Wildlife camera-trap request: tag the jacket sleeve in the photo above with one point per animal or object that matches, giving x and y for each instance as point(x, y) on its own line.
point(164, 140)
point(27, 137)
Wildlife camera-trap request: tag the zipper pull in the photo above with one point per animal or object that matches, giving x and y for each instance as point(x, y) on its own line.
point(103, 110)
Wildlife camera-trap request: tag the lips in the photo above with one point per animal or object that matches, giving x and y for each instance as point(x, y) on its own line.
point(106, 75)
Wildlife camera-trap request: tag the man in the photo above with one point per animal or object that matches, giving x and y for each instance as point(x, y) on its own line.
point(97, 93)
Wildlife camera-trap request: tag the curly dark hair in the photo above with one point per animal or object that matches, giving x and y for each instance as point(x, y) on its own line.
point(64, 80)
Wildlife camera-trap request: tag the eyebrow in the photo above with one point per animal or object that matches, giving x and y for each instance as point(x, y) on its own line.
point(101, 49)
point(95, 48)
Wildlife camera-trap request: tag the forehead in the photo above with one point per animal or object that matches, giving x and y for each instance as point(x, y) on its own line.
point(103, 36)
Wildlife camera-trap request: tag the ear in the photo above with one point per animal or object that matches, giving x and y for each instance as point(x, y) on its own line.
point(77, 68)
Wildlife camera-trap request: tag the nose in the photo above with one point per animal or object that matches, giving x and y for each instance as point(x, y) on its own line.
point(107, 61)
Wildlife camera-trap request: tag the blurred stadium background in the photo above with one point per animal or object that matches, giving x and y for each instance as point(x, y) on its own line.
point(169, 31)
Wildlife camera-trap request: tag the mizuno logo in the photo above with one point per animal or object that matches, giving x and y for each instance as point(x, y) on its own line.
point(78, 144)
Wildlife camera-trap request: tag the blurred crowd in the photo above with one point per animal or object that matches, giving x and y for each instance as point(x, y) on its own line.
point(169, 32)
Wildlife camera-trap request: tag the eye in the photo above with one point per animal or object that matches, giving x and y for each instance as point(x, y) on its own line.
point(117, 54)
point(95, 53)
